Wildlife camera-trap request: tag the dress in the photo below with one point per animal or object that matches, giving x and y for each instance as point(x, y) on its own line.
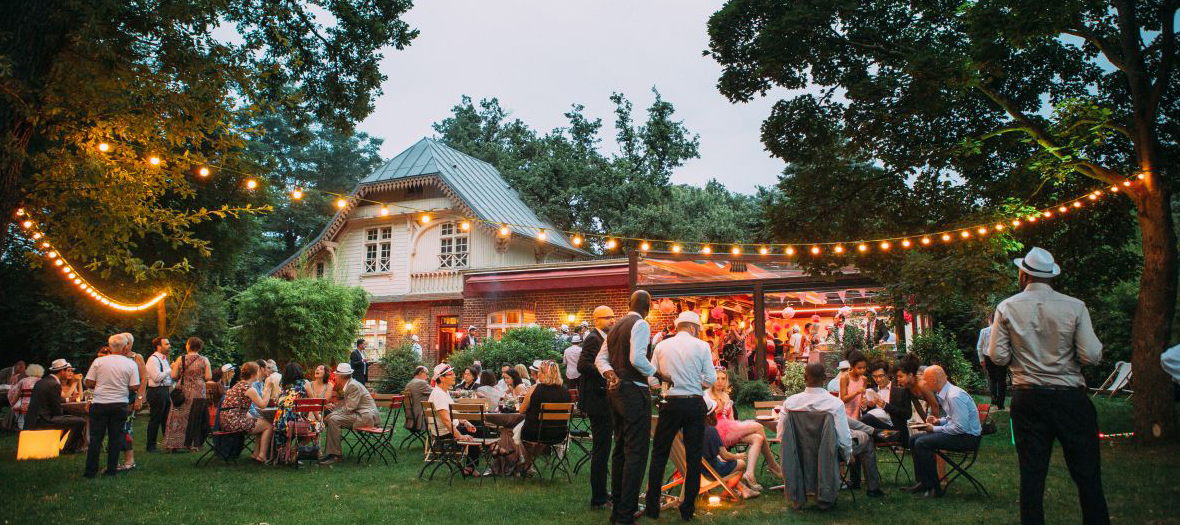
point(852, 406)
point(285, 420)
point(235, 409)
point(725, 424)
point(177, 433)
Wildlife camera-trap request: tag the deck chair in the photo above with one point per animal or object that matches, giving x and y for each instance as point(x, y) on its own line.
point(1118, 381)
point(376, 441)
point(959, 462)
point(710, 479)
point(440, 451)
point(473, 413)
point(553, 433)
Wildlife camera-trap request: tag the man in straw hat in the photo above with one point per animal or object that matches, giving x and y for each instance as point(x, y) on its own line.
point(623, 362)
point(1044, 337)
point(355, 408)
point(45, 410)
point(685, 363)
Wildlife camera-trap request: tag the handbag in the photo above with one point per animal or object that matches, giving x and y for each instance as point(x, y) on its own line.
point(309, 452)
point(177, 394)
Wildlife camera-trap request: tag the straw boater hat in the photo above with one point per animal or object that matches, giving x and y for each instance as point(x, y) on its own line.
point(1038, 263)
point(575, 339)
point(59, 364)
point(440, 370)
point(344, 369)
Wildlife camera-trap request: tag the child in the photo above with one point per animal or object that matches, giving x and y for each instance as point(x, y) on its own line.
point(723, 461)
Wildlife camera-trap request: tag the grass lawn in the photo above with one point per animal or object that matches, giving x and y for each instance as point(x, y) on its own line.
point(1141, 487)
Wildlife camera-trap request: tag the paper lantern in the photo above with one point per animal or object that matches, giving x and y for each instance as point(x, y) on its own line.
point(40, 444)
point(788, 312)
point(845, 311)
point(718, 312)
point(815, 318)
point(667, 307)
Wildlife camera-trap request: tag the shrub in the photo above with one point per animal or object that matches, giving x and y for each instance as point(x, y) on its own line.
point(518, 346)
point(303, 320)
point(398, 364)
point(938, 348)
point(792, 377)
point(746, 392)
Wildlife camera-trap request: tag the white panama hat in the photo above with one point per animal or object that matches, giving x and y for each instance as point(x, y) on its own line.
point(1038, 263)
point(689, 316)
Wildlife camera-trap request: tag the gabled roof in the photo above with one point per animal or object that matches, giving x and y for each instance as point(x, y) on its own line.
point(475, 182)
point(476, 185)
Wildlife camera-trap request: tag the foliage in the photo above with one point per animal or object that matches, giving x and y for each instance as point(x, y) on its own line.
point(793, 377)
point(301, 320)
point(517, 346)
point(398, 365)
point(938, 348)
point(564, 176)
point(1111, 315)
point(746, 391)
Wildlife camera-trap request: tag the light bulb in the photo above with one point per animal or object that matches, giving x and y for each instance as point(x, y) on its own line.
point(1114, 189)
point(466, 225)
point(946, 237)
point(36, 236)
point(611, 243)
point(1062, 209)
point(571, 318)
point(736, 250)
point(503, 230)
point(577, 240)
point(926, 241)
point(644, 246)
point(885, 245)
point(763, 250)
point(906, 243)
point(964, 234)
point(707, 249)
point(1126, 183)
point(1047, 213)
point(20, 212)
point(1093, 197)
point(26, 224)
point(104, 147)
point(384, 211)
point(204, 172)
point(154, 161)
point(1077, 204)
point(58, 262)
point(999, 226)
point(838, 249)
point(862, 247)
point(297, 194)
point(675, 248)
point(51, 255)
point(1015, 223)
point(1032, 218)
point(251, 184)
point(790, 250)
point(425, 218)
point(541, 235)
point(1141, 176)
point(341, 203)
point(409, 326)
point(815, 250)
point(982, 230)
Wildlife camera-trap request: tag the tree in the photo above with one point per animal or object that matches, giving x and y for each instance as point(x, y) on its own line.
point(302, 320)
point(151, 80)
point(1002, 95)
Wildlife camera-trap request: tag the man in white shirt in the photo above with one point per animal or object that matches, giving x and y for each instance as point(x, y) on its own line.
point(113, 378)
point(854, 445)
point(796, 342)
point(685, 363)
point(1044, 338)
point(997, 376)
point(159, 378)
point(570, 357)
point(416, 346)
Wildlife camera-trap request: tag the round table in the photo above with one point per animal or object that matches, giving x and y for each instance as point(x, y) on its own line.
point(506, 423)
point(77, 408)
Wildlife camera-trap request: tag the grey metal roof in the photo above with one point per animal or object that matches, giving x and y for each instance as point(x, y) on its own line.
point(476, 182)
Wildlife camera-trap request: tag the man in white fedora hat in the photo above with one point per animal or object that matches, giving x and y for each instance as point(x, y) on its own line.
point(355, 408)
point(685, 363)
point(1044, 337)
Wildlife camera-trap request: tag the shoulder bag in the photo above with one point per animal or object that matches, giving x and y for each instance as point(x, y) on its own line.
point(177, 394)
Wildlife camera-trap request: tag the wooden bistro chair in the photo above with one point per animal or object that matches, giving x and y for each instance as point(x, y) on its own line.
point(959, 462)
point(378, 440)
point(580, 436)
point(474, 413)
point(765, 409)
point(440, 451)
point(554, 421)
point(217, 436)
point(413, 435)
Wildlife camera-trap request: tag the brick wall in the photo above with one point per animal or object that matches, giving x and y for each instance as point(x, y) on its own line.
point(424, 318)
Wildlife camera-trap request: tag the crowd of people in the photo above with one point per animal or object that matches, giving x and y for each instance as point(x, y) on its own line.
point(615, 364)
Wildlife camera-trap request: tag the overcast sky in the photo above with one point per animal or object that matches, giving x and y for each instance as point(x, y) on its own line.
point(539, 57)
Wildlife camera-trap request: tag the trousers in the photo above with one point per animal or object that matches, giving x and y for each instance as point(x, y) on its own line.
point(600, 435)
point(1038, 418)
point(924, 447)
point(160, 405)
point(106, 420)
point(864, 451)
point(630, 407)
point(997, 381)
point(337, 421)
point(686, 415)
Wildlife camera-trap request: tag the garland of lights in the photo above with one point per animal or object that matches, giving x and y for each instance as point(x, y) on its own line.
point(609, 242)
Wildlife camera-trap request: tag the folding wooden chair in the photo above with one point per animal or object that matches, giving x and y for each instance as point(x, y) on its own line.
point(959, 462)
point(1118, 381)
point(473, 413)
point(211, 451)
point(441, 448)
point(710, 479)
point(765, 409)
point(377, 440)
point(554, 421)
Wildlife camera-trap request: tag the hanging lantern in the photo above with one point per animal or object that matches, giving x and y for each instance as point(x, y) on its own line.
point(667, 307)
point(788, 313)
point(717, 313)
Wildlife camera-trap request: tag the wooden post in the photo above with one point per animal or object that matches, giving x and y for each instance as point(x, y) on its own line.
point(760, 332)
point(161, 322)
point(899, 327)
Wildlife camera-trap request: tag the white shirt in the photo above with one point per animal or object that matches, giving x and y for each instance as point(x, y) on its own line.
point(571, 362)
point(1171, 362)
point(417, 348)
point(796, 342)
point(159, 371)
point(1044, 338)
point(113, 375)
point(688, 361)
point(819, 400)
point(985, 338)
point(441, 400)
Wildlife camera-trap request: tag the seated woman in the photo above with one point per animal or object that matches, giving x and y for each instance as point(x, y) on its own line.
point(286, 419)
point(235, 411)
point(213, 388)
point(733, 432)
point(853, 384)
point(515, 385)
point(71, 388)
point(468, 380)
point(549, 389)
point(723, 461)
point(18, 402)
point(911, 392)
point(487, 388)
point(321, 386)
point(522, 372)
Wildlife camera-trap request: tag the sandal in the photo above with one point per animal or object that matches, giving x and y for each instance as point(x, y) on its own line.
point(126, 467)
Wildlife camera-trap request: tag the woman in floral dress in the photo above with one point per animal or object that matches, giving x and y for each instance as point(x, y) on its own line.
point(235, 411)
point(190, 371)
point(294, 388)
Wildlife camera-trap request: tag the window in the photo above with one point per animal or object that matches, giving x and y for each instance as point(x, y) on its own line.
point(319, 270)
point(499, 322)
point(373, 332)
point(377, 249)
point(453, 246)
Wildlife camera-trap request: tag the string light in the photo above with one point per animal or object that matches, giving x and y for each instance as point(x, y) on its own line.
point(644, 246)
point(297, 193)
point(885, 245)
point(154, 161)
point(251, 184)
point(981, 230)
point(736, 250)
point(611, 243)
point(815, 250)
point(862, 247)
point(203, 171)
point(790, 250)
point(707, 249)
point(541, 235)
point(1127, 183)
point(466, 225)
point(675, 248)
point(1062, 209)
point(341, 203)
point(384, 211)
point(1077, 204)
point(1141, 176)
point(104, 147)
point(577, 240)
point(906, 243)
point(964, 234)
point(926, 241)
point(504, 230)
point(838, 249)
point(946, 237)
point(425, 218)
point(1015, 223)
point(763, 250)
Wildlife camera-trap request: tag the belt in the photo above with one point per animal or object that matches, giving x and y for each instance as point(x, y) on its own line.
point(683, 397)
point(1053, 388)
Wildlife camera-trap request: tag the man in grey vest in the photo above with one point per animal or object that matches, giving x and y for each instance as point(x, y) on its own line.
point(622, 360)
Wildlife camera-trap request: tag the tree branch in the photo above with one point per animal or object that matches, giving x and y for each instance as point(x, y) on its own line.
point(1167, 54)
point(1096, 41)
point(1046, 139)
point(1102, 124)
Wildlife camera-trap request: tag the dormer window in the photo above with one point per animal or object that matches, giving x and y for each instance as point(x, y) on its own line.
point(453, 246)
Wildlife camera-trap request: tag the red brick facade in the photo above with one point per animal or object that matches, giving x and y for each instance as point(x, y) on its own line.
point(424, 316)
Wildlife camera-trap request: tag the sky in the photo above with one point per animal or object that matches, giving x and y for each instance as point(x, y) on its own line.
point(539, 57)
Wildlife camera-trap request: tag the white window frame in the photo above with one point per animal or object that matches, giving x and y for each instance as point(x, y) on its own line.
point(373, 331)
point(378, 249)
point(454, 246)
point(501, 321)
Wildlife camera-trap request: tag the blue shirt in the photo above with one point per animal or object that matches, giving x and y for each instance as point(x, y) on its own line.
point(640, 335)
point(257, 386)
point(961, 415)
point(688, 362)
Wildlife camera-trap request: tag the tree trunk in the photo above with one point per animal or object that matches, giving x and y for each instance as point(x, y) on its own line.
point(1155, 416)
